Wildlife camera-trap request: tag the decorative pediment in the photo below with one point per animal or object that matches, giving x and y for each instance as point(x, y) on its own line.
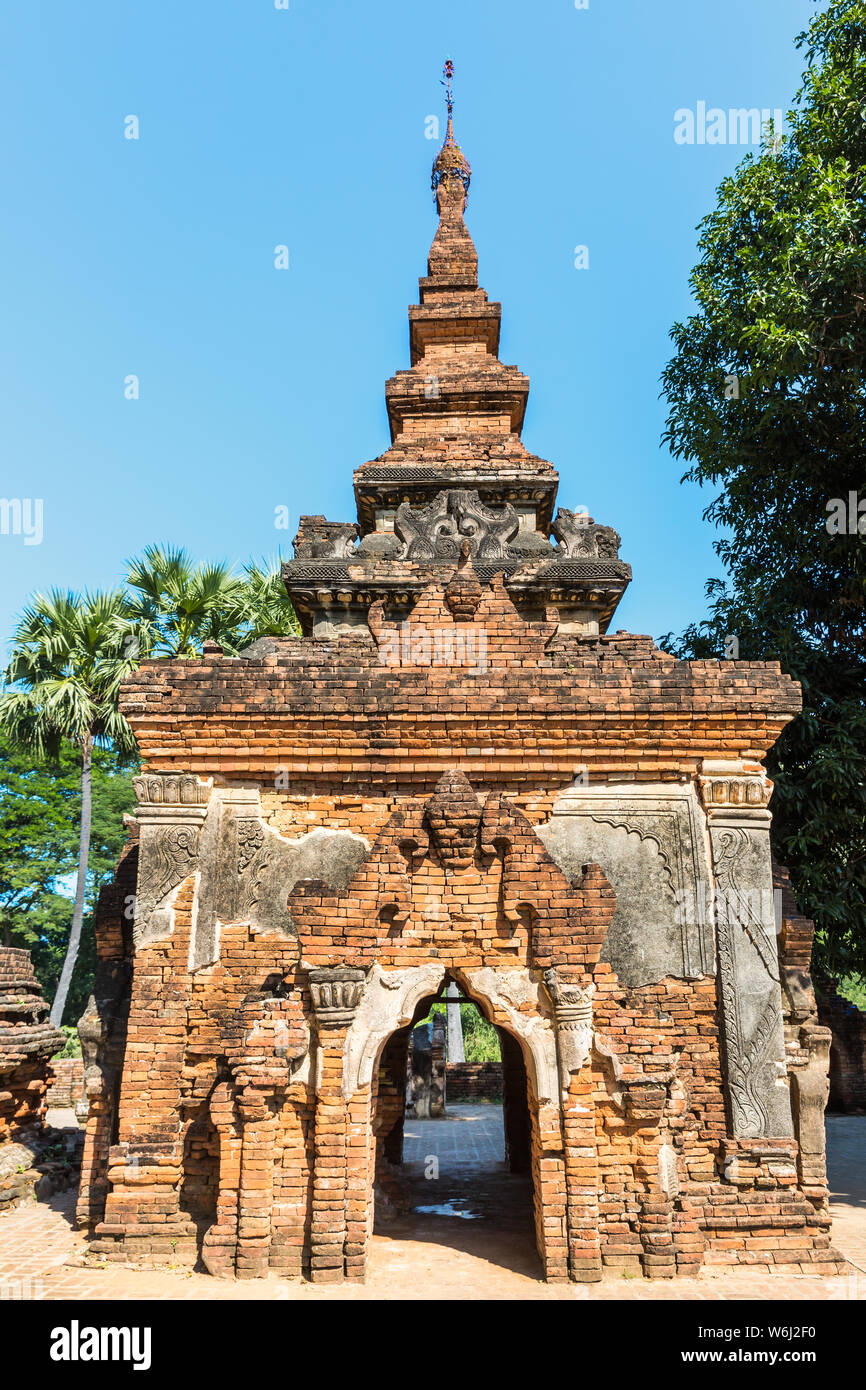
point(459, 845)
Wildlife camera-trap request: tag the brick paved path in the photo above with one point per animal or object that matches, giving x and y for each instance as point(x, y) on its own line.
point(471, 1134)
point(480, 1248)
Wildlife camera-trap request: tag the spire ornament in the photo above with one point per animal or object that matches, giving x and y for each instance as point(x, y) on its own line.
point(450, 164)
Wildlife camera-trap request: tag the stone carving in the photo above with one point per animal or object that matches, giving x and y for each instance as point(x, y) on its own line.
point(388, 1002)
point(168, 855)
point(579, 537)
point(737, 906)
point(669, 1181)
point(171, 810)
point(572, 1004)
point(649, 843)
point(435, 532)
point(172, 789)
point(463, 591)
point(248, 870)
point(172, 853)
point(251, 837)
point(519, 996)
point(751, 995)
point(336, 992)
point(727, 790)
point(325, 540)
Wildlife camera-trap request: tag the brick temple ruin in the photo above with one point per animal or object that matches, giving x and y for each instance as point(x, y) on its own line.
point(457, 776)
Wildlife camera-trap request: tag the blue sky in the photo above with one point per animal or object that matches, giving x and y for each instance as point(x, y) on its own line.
point(262, 388)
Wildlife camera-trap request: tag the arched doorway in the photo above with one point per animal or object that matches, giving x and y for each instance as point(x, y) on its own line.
point(453, 1143)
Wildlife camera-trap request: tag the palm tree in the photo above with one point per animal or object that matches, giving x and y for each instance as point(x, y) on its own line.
point(267, 608)
point(177, 605)
point(68, 660)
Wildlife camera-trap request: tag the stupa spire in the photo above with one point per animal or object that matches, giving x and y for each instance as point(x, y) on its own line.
point(451, 168)
point(452, 253)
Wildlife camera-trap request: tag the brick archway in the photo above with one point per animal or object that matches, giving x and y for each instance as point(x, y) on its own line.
point(515, 1000)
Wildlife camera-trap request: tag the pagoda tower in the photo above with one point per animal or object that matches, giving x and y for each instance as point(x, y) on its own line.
point(455, 778)
point(456, 468)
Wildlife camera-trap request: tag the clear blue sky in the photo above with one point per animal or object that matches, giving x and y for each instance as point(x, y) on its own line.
point(261, 388)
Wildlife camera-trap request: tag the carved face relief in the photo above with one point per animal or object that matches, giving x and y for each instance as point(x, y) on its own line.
point(454, 818)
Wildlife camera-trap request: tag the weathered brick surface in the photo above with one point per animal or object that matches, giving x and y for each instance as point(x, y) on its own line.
point(847, 1023)
point(27, 1041)
point(66, 1085)
point(471, 1081)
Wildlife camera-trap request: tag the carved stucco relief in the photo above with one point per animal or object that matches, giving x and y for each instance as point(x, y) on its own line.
point(739, 824)
point(248, 869)
point(749, 973)
point(648, 840)
point(171, 810)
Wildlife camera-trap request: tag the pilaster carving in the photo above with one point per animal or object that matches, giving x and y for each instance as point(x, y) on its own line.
point(572, 1009)
point(171, 810)
point(736, 796)
point(336, 992)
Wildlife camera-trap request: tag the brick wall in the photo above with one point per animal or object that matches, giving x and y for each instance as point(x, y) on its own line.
point(847, 1023)
point(67, 1085)
point(471, 1081)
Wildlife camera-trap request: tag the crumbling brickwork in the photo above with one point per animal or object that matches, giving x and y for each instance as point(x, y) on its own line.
point(27, 1041)
point(456, 777)
point(66, 1083)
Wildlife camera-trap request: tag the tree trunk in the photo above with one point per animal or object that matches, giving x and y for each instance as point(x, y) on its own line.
point(455, 1052)
point(59, 1005)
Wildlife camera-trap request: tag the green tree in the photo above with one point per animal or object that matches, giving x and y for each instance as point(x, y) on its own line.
point(176, 605)
point(265, 605)
point(766, 403)
point(67, 664)
point(40, 810)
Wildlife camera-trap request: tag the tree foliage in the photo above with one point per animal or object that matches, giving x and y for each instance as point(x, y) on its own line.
point(40, 808)
point(175, 605)
point(766, 403)
point(68, 750)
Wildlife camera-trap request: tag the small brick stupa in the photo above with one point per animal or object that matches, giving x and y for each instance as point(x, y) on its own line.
point(27, 1042)
point(457, 776)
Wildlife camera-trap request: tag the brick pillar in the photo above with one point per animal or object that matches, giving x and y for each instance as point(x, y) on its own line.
point(336, 992)
point(360, 1175)
point(572, 1004)
point(656, 1211)
point(256, 1190)
point(219, 1246)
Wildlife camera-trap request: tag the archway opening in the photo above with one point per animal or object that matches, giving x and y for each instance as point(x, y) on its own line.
point(453, 1126)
